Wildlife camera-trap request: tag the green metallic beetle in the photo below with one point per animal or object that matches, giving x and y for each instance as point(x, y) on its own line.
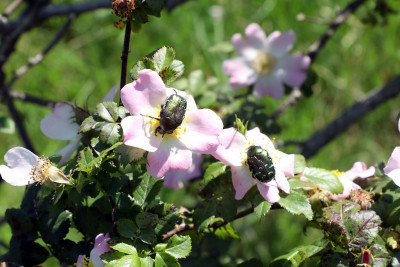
point(260, 164)
point(172, 114)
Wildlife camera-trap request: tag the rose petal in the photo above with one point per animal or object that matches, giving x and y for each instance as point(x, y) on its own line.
point(286, 163)
point(359, 169)
point(101, 246)
point(60, 124)
point(392, 168)
point(170, 156)
point(280, 43)
point(232, 144)
point(174, 179)
point(68, 150)
point(203, 126)
point(269, 192)
point(242, 75)
point(145, 94)
point(268, 85)
point(139, 131)
point(282, 181)
point(20, 162)
point(111, 94)
point(242, 180)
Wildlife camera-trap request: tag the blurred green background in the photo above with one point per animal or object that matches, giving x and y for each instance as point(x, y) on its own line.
point(361, 56)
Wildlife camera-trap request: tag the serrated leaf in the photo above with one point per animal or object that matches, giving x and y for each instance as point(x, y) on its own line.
point(213, 171)
point(226, 232)
point(54, 230)
point(148, 236)
point(168, 75)
point(299, 254)
point(165, 259)
point(262, 209)
point(179, 246)
point(348, 226)
point(86, 160)
point(296, 204)
point(204, 214)
point(146, 219)
point(126, 228)
point(178, 67)
point(110, 133)
point(125, 248)
point(325, 179)
point(108, 111)
point(123, 112)
point(88, 124)
point(147, 189)
point(126, 261)
point(163, 58)
point(296, 184)
point(299, 163)
point(145, 63)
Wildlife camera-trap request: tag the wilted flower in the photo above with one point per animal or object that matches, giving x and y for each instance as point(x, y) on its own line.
point(392, 168)
point(234, 150)
point(170, 148)
point(24, 167)
point(101, 246)
point(264, 62)
point(175, 180)
point(359, 170)
point(61, 124)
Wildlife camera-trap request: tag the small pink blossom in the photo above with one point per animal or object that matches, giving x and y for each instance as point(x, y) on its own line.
point(175, 180)
point(172, 151)
point(233, 152)
point(100, 247)
point(392, 168)
point(359, 170)
point(265, 62)
point(61, 125)
point(24, 167)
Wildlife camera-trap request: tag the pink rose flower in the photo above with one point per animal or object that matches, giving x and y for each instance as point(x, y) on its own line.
point(175, 180)
point(392, 168)
point(24, 167)
point(168, 152)
point(265, 62)
point(233, 151)
point(359, 170)
point(100, 247)
point(61, 125)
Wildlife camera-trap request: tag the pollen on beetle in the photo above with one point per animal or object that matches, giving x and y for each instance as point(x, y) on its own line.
point(182, 128)
point(45, 170)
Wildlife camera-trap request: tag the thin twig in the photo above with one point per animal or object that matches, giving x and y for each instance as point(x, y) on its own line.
point(125, 53)
point(39, 57)
point(351, 115)
point(10, 9)
point(31, 99)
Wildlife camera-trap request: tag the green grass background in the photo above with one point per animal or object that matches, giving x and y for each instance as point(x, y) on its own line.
point(86, 64)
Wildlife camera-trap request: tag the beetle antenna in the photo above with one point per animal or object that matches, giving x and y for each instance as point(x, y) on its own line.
point(150, 117)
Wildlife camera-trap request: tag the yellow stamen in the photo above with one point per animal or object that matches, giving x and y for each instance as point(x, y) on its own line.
point(45, 170)
point(264, 62)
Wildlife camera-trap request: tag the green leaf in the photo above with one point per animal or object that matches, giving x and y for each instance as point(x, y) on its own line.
point(156, 4)
point(240, 126)
point(296, 204)
point(213, 170)
point(178, 67)
point(108, 111)
point(168, 75)
point(125, 248)
point(146, 219)
point(346, 225)
point(179, 246)
point(227, 206)
point(86, 160)
point(110, 133)
point(299, 163)
point(145, 63)
point(147, 189)
point(204, 214)
point(163, 58)
point(126, 228)
point(165, 259)
point(299, 254)
point(126, 261)
point(325, 179)
point(262, 209)
point(7, 125)
point(148, 236)
point(54, 230)
point(88, 124)
point(226, 232)
point(296, 184)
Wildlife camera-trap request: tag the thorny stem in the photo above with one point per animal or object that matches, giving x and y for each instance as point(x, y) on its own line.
point(125, 53)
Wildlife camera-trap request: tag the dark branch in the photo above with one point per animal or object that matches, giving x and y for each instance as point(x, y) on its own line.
point(10, 9)
point(39, 57)
point(311, 146)
point(31, 99)
point(125, 53)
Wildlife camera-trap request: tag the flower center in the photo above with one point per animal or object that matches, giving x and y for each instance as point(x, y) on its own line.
point(337, 173)
point(264, 62)
point(44, 170)
point(85, 262)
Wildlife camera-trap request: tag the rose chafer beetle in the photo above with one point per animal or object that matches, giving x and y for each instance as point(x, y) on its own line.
point(260, 164)
point(171, 115)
